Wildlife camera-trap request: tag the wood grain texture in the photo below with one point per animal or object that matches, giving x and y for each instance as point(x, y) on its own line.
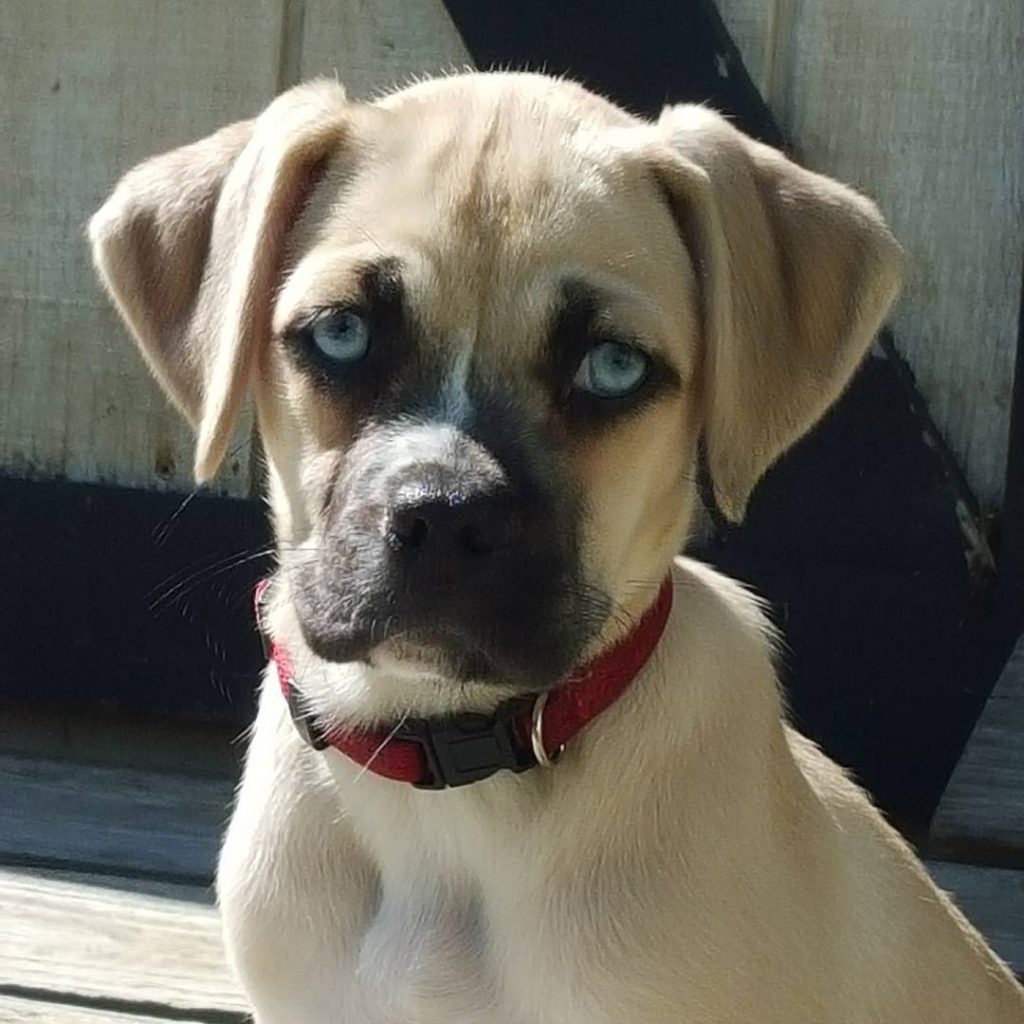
point(371, 45)
point(148, 744)
point(179, 964)
point(993, 900)
point(88, 91)
point(117, 819)
point(919, 105)
point(982, 809)
point(751, 23)
point(65, 935)
point(44, 1011)
point(912, 102)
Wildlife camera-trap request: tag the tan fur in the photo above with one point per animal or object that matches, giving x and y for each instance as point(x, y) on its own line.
point(690, 859)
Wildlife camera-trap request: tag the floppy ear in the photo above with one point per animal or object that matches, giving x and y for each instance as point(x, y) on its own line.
point(190, 246)
point(796, 274)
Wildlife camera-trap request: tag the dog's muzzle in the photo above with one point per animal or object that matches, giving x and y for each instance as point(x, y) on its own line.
point(449, 551)
point(445, 525)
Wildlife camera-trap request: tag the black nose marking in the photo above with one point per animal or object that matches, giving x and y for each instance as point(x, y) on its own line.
point(459, 540)
point(456, 526)
point(407, 528)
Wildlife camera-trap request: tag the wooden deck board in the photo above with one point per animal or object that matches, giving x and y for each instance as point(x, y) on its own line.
point(137, 945)
point(61, 813)
point(981, 814)
point(15, 1010)
point(110, 931)
point(993, 900)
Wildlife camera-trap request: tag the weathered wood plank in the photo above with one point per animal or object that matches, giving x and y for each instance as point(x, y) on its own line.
point(982, 810)
point(123, 820)
point(67, 935)
point(993, 900)
point(373, 46)
point(35, 1011)
point(86, 97)
point(754, 26)
point(180, 963)
point(88, 91)
point(873, 92)
point(213, 749)
point(869, 92)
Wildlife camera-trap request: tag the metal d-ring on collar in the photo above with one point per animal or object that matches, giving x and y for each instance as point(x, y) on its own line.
point(544, 759)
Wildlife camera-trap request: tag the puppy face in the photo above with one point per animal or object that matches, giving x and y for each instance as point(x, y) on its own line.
point(485, 325)
point(486, 321)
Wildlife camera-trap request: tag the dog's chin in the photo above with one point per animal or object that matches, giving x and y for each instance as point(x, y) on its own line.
point(433, 655)
point(419, 659)
point(440, 655)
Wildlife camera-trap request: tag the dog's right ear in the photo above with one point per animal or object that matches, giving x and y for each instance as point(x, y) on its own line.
point(796, 273)
point(191, 246)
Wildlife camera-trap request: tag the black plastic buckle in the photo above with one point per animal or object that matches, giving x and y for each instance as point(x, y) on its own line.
point(304, 721)
point(468, 747)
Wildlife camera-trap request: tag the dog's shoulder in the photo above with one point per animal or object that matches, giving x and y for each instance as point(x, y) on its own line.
point(723, 609)
point(727, 614)
point(720, 649)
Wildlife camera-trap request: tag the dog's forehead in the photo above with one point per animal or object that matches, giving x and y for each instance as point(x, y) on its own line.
point(495, 171)
point(491, 192)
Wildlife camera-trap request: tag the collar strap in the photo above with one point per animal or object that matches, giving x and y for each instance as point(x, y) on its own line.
point(435, 753)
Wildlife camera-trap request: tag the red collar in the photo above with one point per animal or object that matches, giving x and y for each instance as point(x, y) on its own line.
point(440, 752)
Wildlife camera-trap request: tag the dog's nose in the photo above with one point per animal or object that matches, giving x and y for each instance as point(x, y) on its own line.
point(457, 526)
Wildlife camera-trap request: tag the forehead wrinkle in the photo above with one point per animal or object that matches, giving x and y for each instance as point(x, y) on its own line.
point(335, 272)
point(456, 397)
point(480, 201)
point(511, 184)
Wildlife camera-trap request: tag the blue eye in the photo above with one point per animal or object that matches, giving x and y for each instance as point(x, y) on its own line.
point(612, 369)
point(341, 336)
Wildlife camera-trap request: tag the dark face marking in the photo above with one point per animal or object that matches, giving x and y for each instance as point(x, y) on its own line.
point(459, 543)
point(579, 324)
point(454, 543)
point(379, 299)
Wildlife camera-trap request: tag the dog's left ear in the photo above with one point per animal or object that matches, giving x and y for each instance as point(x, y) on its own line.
point(796, 275)
point(191, 245)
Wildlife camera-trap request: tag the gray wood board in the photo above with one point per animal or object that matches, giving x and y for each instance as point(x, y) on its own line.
point(142, 947)
point(131, 821)
point(118, 819)
point(869, 92)
point(77, 939)
point(983, 806)
point(85, 97)
point(88, 91)
point(15, 1010)
point(993, 900)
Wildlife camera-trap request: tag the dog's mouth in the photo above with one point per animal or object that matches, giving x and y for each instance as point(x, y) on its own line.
point(450, 554)
point(443, 655)
point(487, 647)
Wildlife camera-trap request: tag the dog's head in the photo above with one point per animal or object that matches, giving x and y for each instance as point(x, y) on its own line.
point(485, 322)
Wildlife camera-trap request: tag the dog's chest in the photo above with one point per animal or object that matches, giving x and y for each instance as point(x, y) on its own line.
point(468, 925)
point(440, 956)
point(426, 956)
point(474, 950)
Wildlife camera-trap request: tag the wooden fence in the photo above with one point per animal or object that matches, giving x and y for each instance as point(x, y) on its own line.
point(917, 102)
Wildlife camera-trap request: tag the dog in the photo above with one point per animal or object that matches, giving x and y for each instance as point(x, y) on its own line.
point(515, 762)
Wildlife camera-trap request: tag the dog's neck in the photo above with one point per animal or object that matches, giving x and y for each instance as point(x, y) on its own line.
point(522, 733)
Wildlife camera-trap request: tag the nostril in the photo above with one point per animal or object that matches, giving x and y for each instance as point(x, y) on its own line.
point(486, 535)
point(408, 529)
point(434, 529)
point(476, 541)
